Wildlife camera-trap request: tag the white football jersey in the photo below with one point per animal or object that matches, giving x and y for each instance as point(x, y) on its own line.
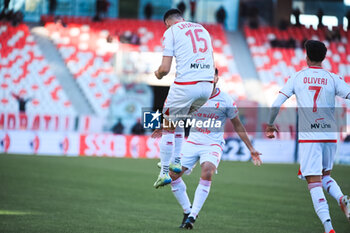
point(219, 107)
point(315, 90)
point(190, 44)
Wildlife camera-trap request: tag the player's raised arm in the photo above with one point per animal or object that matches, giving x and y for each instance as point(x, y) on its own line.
point(342, 89)
point(242, 133)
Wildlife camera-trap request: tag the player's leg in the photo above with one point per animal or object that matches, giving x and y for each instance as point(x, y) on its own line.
point(165, 153)
point(201, 193)
point(189, 159)
point(166, 148)
point(166, 144)
point(332, 187)
point(319, 201)
point(311, 169)
point(203, 188)
point(329, 184)
point(209, 160)
point(175, 164)
point(178, 187)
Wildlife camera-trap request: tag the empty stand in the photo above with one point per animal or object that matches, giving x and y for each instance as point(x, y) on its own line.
point(84, 47)
point(24, 72)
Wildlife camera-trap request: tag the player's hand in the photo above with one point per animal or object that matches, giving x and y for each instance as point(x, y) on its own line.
point(270, 131)
point(157, 133)
point(156, 73)
point(256, 157)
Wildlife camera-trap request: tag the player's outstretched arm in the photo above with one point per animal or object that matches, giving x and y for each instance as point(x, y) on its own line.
point(271, 128)
point(164, 68)
point(242, 133)
point(342, 89)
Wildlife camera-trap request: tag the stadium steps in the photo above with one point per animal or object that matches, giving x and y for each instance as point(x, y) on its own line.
point(64, 76)
point(246, 67)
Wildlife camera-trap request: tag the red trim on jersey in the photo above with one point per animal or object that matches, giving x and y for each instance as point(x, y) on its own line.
point(321, 140)
point(217, 93)
point(191, 83)
point(216, 145)
point(194, 143)
point(315, 67)
point(284, 94)
point(167, 112)
point(299, 172)
point(204, 145)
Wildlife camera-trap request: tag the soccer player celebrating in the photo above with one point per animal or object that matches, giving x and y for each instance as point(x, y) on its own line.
point(315, 90)
point(205, 145)
point(190, 44)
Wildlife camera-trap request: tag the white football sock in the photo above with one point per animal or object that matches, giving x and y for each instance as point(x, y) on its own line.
point(328, 225)
point(200, 196)
point(178, 187)
point(179, 137)
point(331, 186)
point(320, 204)
point(166, 147)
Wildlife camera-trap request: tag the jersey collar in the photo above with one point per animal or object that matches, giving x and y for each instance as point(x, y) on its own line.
point(315, 67)
point(179, 22)
point(217, 93)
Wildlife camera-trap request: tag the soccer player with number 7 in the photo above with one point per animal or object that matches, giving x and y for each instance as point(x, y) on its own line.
point(190, 44)
point(315, 90)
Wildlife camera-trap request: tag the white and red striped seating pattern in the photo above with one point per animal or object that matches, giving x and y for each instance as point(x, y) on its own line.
point(25, 72)
point(87, 55)
point(83, 46)
point(275, 65)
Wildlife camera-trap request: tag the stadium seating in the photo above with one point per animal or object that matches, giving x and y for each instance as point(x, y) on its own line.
point(24, 72)
point(84, 47)
point(275, 65)
point(224, 61)
point(87, 55)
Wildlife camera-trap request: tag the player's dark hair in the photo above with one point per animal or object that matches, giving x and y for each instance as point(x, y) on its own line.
point(171, 13)
point(315, 50)
point(216, 71)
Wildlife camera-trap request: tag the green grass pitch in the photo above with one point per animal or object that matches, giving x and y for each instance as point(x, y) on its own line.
point(85, 194)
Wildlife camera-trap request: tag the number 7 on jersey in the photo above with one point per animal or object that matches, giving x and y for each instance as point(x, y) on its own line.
point(317, 90)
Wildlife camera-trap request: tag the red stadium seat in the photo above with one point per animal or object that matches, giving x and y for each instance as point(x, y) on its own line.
point(25, 72)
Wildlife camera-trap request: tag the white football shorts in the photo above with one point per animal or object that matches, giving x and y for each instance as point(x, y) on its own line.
point(316, 157)
point(185, 98)
point(191, 153)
